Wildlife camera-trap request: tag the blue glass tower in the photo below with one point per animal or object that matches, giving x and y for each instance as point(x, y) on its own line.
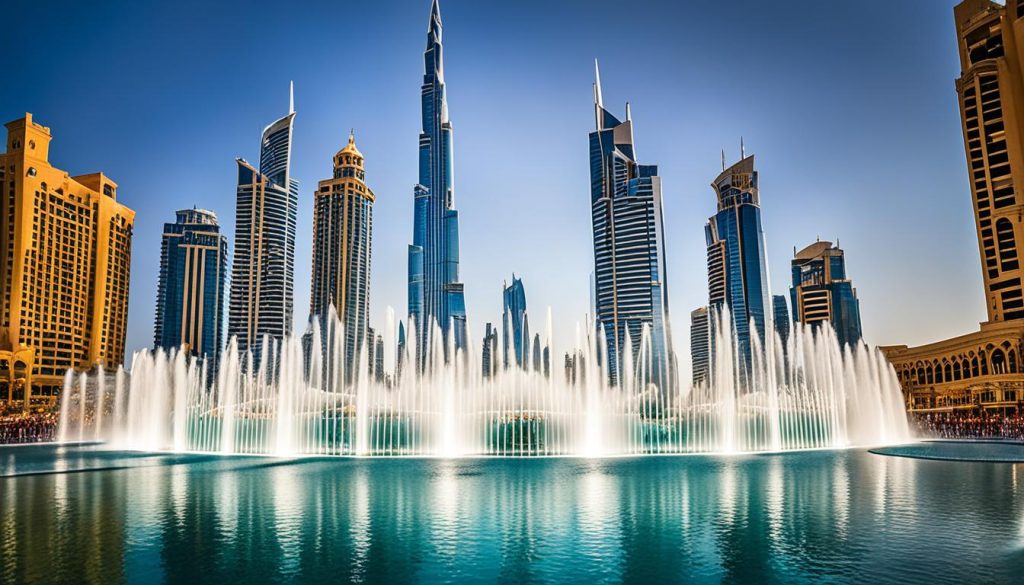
point(190, 292)
point(630, 290)
point(435, 293)
point(821, 291)
point(514, 327)
point(737, 276)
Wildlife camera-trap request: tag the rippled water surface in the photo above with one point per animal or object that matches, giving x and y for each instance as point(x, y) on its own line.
point(83, 516)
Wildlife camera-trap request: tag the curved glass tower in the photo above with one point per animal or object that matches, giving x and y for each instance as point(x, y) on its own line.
point(630, 290)
point(263, 268)
point(435, 293)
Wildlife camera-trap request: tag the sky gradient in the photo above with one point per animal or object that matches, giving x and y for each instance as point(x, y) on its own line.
point(849, 108)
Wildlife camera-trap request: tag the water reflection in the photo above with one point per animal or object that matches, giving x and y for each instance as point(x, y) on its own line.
point(845, 516)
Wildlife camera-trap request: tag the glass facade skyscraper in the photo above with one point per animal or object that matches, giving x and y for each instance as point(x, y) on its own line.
point(630, 290)
point(263, 266)
point(435, 294)
point(782, 320)
point(515, 329)
point(342, 244)
point(700, 345)
point(821, 292)
point(191, 287)
point(737, 274)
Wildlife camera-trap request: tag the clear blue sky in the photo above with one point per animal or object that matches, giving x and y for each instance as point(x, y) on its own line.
point(849, 107)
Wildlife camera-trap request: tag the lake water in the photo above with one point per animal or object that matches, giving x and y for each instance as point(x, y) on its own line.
point(79, 515)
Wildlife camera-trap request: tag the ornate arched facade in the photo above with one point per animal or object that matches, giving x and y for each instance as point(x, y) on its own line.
point(978, 370)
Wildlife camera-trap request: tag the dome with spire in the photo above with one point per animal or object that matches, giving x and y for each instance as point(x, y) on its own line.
point(349, 158)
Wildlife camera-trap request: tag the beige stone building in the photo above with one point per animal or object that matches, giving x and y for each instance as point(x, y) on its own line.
point(983, 369)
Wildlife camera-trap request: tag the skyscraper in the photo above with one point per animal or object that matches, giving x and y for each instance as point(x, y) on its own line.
point(435, 294)
point(514, 327)
point(782, 319)
point(630, 290)
point(190, 292)
point(700, 344)
point(65, 258)
point(992, 113)
point(737, 277)
point(342, 242)
point(489, 356)
point(822, 293)
point(263, 267)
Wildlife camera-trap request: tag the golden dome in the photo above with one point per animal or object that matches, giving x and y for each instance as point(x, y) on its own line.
point(350, 148)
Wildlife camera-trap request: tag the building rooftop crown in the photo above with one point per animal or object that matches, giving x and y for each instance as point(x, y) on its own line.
point(349, 156)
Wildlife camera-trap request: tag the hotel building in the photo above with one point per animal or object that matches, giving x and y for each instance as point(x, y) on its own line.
point(65, 258)
point(983, 369)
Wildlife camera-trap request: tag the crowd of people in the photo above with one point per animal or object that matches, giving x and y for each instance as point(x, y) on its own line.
point(971, 425)
point(35, 427)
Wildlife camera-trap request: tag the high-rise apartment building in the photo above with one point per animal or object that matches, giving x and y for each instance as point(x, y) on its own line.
point(700, 345)
point(342, 242)
point(992, 112)
point(822, 293)
point(263, 265)
point(436, 296)
point(65, 256)
point(191, 287)
point(630, 290)
point(737, 274)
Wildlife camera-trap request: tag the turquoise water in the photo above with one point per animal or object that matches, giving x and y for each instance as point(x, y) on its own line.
point(79, 515)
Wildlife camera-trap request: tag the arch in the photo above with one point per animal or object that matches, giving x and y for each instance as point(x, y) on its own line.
point(974, 367)
point(956, 370)
point(1011, 359)
point(998, 360)
point(947, 372)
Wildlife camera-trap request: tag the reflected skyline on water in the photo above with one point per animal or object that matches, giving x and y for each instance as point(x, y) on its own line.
point(842, 515)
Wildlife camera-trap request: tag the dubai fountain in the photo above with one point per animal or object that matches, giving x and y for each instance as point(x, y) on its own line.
point(806, 393)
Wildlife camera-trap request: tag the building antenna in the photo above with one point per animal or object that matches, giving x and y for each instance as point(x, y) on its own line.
point(291, 97)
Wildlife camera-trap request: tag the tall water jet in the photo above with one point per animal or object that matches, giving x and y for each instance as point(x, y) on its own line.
point(293, 400)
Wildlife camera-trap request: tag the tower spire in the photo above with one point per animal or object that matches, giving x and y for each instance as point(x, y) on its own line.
point(291, 97)
point(434, 26)
point(723, 160)
point(629, 115)
point(743, 150)
point(597, 85)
